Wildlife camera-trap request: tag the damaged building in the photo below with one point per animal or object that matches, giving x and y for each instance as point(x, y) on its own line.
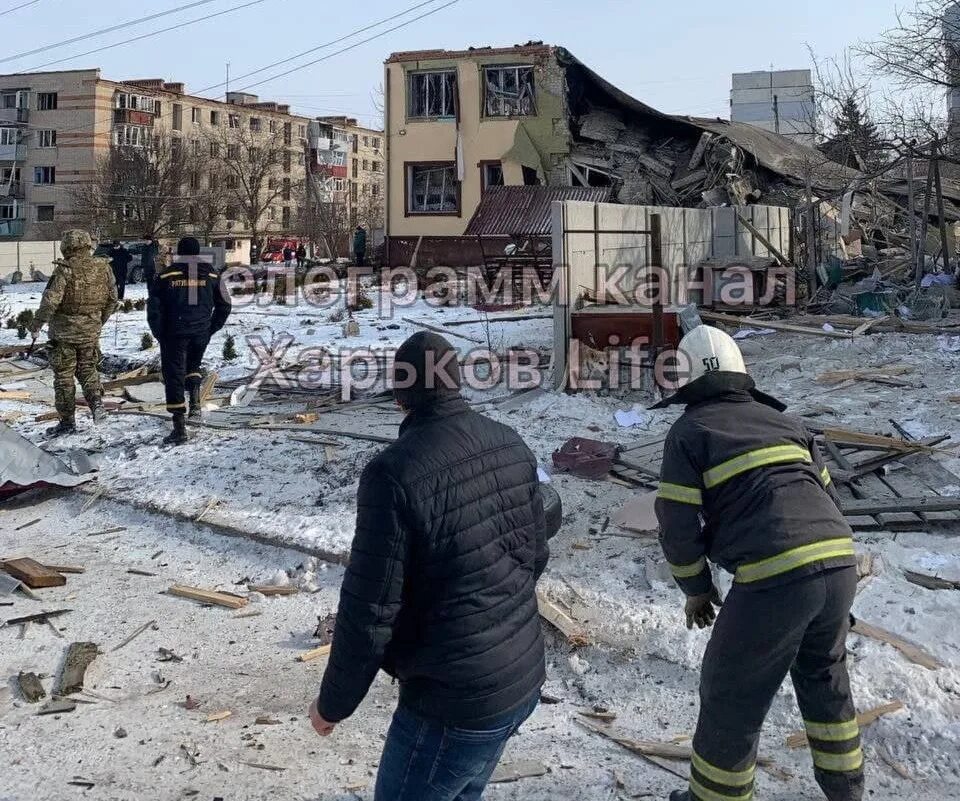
point(460, 122)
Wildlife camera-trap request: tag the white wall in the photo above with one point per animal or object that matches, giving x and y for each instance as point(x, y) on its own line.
point(22, 255)
point(688, 237)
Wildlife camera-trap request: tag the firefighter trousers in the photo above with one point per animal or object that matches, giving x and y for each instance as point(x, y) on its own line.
point(760, 635)
point(180, 359)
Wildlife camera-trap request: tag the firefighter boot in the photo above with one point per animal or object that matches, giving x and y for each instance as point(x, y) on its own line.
point(179, 434)
point(194, 412)
point(680, 795)
point(97, 411)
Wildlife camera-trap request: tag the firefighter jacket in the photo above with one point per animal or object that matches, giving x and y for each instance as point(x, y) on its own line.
point(744, 486)
point(187, 300)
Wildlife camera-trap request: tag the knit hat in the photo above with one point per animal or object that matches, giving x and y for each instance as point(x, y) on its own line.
point(426, 368)
point(188, 246)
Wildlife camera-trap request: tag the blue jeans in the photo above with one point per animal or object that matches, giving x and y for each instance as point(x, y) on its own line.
point(424, 760)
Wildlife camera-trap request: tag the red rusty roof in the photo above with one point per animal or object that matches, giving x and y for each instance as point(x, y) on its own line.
point(526, 210)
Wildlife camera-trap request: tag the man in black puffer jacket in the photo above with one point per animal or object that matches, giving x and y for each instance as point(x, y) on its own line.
point(440, 590)
point(186, 307)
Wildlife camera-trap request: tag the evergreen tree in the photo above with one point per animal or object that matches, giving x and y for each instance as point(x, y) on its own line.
point(856, 142)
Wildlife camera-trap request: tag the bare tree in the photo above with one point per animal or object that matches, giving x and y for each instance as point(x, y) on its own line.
point(256, 168)
point(136, 190)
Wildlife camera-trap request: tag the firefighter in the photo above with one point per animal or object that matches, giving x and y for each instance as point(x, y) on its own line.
point(744, 486)
point(186, 307)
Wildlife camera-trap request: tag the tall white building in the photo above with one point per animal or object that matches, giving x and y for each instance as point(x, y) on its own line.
point(783, 102)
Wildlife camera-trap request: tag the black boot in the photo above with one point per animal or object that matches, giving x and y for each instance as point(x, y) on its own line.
point(194, 412)
point(680, 795)
point(65, 426)
point(179, 434)
point(97, 411)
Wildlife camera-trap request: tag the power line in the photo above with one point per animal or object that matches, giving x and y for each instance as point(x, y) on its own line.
point(333, 42)
point(146, 35)
point(351, 47)
point(17, 8)
point(111, 29)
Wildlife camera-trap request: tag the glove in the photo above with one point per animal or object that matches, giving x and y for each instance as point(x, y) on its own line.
point(699, 608)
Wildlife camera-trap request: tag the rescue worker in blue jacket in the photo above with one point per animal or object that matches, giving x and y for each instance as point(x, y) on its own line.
point(744, 486)
point(186, 307)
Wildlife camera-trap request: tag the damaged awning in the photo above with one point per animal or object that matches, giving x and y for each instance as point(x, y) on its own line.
point(24, 466)
point(525, 210)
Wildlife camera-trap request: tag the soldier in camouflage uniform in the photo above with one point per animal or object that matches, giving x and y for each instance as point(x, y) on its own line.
point(79, 298)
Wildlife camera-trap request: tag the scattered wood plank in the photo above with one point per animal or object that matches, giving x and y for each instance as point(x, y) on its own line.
point(32, 573)
point(930, 582)
point(512, 318)
point(438, 330)
point(27, 525)
point(207, 507)
point(898, 767)
point(606, 717)
point(314, 653)
point(207, 385)
point(776, 325)
point(783, 260)
point(113, 530)
point(799, 738)
point(137, 633)
point(880, 374)
point(844, 436)
point(216, 717)
point(58, 706)
point(874, 506)
point(914, 653)
point(30, 687)
point(208, 596)
point(73, 569)
point(515, 771)
point(36, 618)
point(696, 158)
point(14, 394)
point(135, 571)
point(648, 750)
point(120, 382)
point(261, 766)
point(268, 590)
point(561, 621)
point(78, 659)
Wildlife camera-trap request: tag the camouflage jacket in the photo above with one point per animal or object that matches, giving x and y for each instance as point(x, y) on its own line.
point(79, 298)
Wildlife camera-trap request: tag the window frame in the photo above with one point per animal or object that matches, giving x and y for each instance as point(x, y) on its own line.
point(484, 165)
point(455, 98)
point(408, 178)
point(486, 99)
point(39, 172)
point(51, 135)
point(53, 212)
point(55, 96)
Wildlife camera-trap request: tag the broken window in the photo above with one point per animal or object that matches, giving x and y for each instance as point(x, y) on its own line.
point(509, 91)
point(530, 177)
point(433, 189)
point(492, 174)
point(433, 94)
point(582, 175)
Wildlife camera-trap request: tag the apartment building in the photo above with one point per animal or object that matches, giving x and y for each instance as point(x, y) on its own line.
point(56, 127)
point(347, 168)
point(458, 122)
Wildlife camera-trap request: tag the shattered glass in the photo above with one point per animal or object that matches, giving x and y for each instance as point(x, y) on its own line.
point(510, 91)
point(433, 94)
point(433, 189)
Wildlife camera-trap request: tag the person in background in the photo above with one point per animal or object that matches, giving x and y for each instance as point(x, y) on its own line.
point(301, 256)
point(440, 591)
point(79, 298)
point(149, 260)
point(120, 262)
point(360, 246)
point(186, 307)
point(288, 256)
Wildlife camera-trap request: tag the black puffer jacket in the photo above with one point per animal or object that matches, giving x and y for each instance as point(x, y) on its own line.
point(440, 590)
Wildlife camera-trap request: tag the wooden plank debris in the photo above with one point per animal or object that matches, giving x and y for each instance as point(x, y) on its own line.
point(32, 573)
point(561, 621)
point(649, 750)
point(843, 436)
point(269, 589)
point(930, 582)
point(515, 771)
point(14, 394)
point(216, 717)
point(880, 375)
point(914, 653)
point(776, 325)
point(438, 330)
point(783, 260)
point(27, 525)
point(261, 766)
point(873, 506)
point(135, 634)
point(799, 738)
point(78, 659)
point(30, 687)
point(512, 318)
point(122, 382)
point(72, 569)
point(36, 618)
point(208, 596)
point(58, 706)
point(314, 653)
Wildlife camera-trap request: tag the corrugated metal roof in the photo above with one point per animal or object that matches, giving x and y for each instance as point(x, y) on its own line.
point(509, 210)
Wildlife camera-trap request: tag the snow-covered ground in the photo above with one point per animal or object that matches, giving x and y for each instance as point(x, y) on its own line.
point(300, 495)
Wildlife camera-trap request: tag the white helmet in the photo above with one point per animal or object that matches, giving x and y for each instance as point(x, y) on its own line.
point(707, 350)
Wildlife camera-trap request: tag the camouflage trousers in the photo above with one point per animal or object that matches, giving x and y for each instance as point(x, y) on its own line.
point(74, 361)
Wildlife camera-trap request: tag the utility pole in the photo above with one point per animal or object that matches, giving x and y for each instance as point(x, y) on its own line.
point(911, 204)
point(227, 90)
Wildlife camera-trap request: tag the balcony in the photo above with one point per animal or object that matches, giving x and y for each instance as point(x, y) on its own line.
point(13, 152)
point(131, 116)
point(14, 115)
point(13, 189)
point(11, 228)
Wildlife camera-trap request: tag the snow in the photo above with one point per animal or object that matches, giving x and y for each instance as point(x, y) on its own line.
point(300, 497)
